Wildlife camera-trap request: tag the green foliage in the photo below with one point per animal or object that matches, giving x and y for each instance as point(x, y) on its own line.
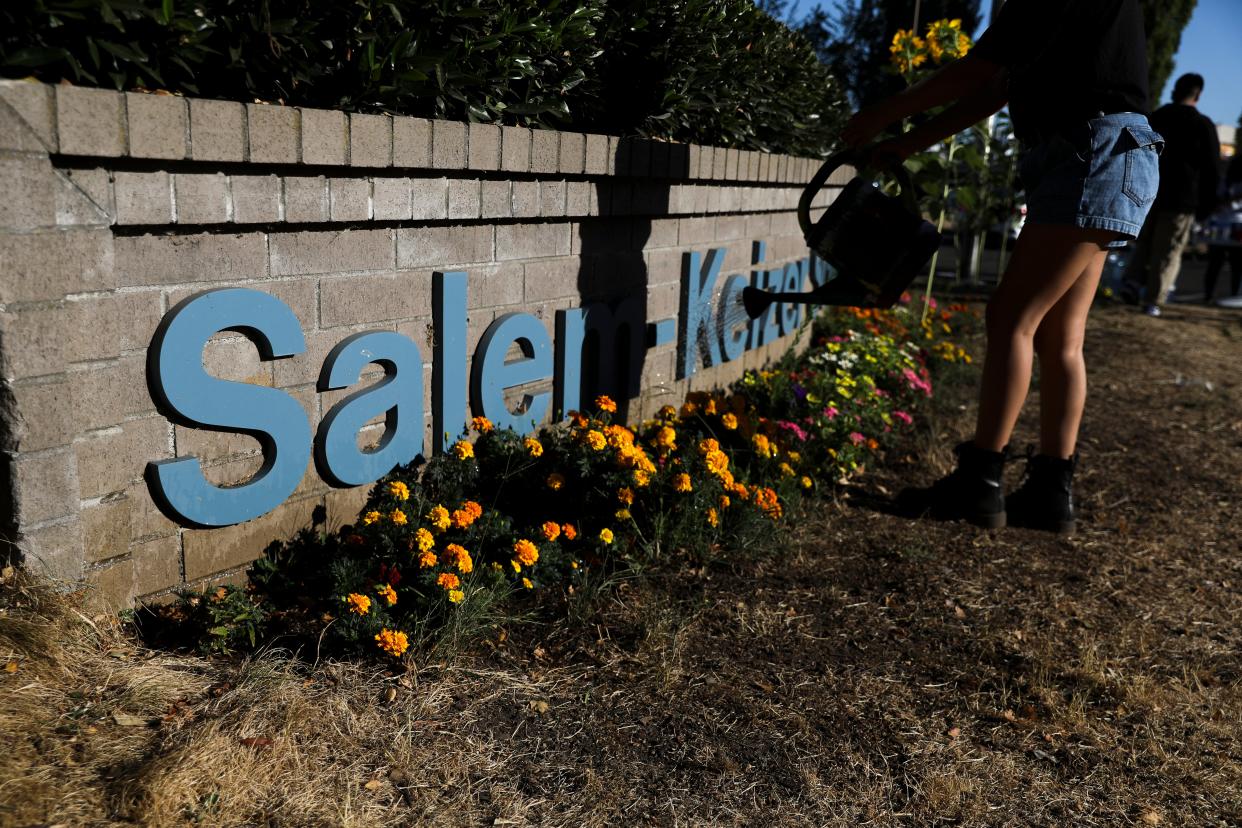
point(713, 71)
point(1164, 21)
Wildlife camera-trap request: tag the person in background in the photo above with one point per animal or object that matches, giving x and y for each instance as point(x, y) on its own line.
point(1188, 176)
point(1225, 234)
point(1074, 73)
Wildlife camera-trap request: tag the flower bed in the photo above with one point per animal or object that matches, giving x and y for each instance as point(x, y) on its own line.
point(445, 548)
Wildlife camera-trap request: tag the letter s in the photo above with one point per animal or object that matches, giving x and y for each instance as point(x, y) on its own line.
point(186, 394)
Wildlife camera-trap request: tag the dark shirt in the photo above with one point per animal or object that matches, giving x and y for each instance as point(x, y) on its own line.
point(1068, 60)
point(1190, 162)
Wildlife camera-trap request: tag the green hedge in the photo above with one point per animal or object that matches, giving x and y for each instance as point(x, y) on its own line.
point(710, 71)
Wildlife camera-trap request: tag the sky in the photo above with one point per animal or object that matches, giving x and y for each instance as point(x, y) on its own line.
point(1212, 46)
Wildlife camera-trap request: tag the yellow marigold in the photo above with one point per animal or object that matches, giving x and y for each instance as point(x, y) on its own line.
point(526, 583)
point(448, 580)
point(456, 596)
point(786, 469)
point(440, 518)
point(717, 462)
point(462, 518)
point(626, 495)
point(526, 552)
point(517, 567)
point(398, 517)
point(570, 532)
point(579, 419)
point(622, 514)
point(681, 483)
point(393, 642)
point(604, 403)
point(424, 540)
point(806, 482)
point(457, 555)
point(666, 438)
point(794, 456)
point(725, 501)
point(606, 535)
point(482, 425)
point(709, 407)
point(713, 517)
point(619, 436)
point(387, 593)
point(551, 529)
point(596, 440)
point(399, 490)
point(358, 604)
point(463, 450)
point(666, 412)
point(370, 517)
point(641, 478)
point(688, 408)
point(555, 481)
point(729, 421)
point(533, 447)
point(762, 445)
point(427, 560)
point(708, 444)
point(473, 509)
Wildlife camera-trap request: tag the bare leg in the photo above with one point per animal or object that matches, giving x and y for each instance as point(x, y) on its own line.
point(1062, 372)
point(1047, 261)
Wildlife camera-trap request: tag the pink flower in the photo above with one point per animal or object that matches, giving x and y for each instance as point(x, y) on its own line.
point(857, 439)
point(831, 412)
point(793, 427)
point(905, 418)
point(881, 393)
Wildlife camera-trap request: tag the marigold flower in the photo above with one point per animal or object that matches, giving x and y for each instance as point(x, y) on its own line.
point(596, 440)
point(387, 593)
point(427, 560)
point(526, 552)
point(555, 481)
point(526, 583)
point(641, 478)
point(681, 483)
point(606, 535)
point(466, 515)
point(399, 490)
point(517, 567)
point(786, 470)
point(807, 482)
point(604, 403)
point(551, 529)
point(455, 596)
point(579, 419)
point(725, 501)
point(358, 604)
point(626, 495)
point(666, 438)
point(729, 421)
point(448, 580)
point(482, 425)
point(709, 407)
point(393, 642)
point(398, 517)
point(708, 444)
point(533, 447)
point(713, 517)
point(370, 517)
point(717, 462)
point(440, 518)
point(571, 533)
point(622, 514)
point(688, 408)
point(463, 450)
point(424, 540)
point(457, 555)
point(666, 412)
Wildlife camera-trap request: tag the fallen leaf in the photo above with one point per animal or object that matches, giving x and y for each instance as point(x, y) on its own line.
point(390, 694)
point(1151, 817)
point(373, 785)
point(257, 741)
point(11, 667)
point(127, 720)
point(540, 652)
point(959, 612)
point(540, 706)
point(954, 732)
point(1008, 716)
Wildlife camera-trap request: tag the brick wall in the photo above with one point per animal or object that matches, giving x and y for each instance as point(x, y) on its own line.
point(119, 205)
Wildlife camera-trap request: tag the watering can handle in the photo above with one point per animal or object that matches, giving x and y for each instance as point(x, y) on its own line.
point(829, 167)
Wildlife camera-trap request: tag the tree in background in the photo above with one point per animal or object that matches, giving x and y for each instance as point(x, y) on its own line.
point(1164, 20)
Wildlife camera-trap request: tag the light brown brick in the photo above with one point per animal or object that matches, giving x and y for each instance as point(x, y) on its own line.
point(331, 252)
point(55, 550)
point(28, 184)
point(497, 199)
point(349, 199)
point(101, 326)
point(146, 521)
point(448, 145)
point(105, 528)
point(143, 198)
point(35, 105)
point(112, 460)
point(211, 448)
point(209, 257)
point(45, 414)
point(324, 137)
point(217, 130)
point(208, 551)
point(157, 565)
point(370, 140)
point(429, 199)
point(495, 286)
point(46, 486)
point(256, 198)
point(356, 300)
point(306, 198)
point(34, 340)
point(531, 241)
point(552, 197)
point(411, 142)
point(158, 125)
point(464, 199)
point(41, 266)
point(442, 247)
point(201, 198)
point(344, 505)
point(552, 279)
point(391, 199)
point(84, 198)
point(275, 133)
point(596, 161)
point(578, 198)
point(572, 153)
point(90, 121)
point(526, 199)
point(484, 141)
point(107, 393)
point(545, 153)
point(515, 149)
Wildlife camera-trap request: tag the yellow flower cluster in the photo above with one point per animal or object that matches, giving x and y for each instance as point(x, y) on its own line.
point(482, 425)
point(440, 518)
point(533, 447)
point(457, 555)
point(943, 41)
point(526, 551)
point(358, 604)
point(551, 530)
point(463, 450)
point(399, 490)
point(468, 513)
point(387, 593)
point(605, 403)
point(908, 50)
point(393, 642)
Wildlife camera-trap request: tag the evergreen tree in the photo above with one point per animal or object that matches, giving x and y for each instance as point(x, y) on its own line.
point(1165, 20)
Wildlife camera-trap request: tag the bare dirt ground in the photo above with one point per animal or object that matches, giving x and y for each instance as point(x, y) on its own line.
point(872, 671)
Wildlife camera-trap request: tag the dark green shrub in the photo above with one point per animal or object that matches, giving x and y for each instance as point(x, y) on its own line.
point(711, 71)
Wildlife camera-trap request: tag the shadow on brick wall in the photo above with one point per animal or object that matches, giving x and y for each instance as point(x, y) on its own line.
point(613, 277)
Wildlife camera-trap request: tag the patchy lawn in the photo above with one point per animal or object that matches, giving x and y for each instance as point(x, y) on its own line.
point(875, 671)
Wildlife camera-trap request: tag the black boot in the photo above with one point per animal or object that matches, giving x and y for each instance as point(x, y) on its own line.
point(1045, 499)
point(971, 492)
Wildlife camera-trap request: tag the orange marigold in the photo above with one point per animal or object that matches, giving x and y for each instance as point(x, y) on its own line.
point(626, 495)
point(399, 490)
point(681, 483)
point(571, 533)
point(729, 421)
point(440, 518)
point(596, 440)
point(533, 447)
point(526, 552)
point(457, 555)
point(555, 481)
point(463, 450)
point(482, 425)
point(387, 593)
point(358, 604)
point(604, 403)
point(448, 580)
point(551, 530)
point(393, 642)
point(456, 596)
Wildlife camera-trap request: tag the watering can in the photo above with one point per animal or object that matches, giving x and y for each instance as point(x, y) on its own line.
point(877, 243)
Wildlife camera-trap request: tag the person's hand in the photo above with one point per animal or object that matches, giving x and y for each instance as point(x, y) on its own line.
point(863, 127)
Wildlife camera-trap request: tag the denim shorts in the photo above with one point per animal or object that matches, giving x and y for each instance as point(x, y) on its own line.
point(1102, 173)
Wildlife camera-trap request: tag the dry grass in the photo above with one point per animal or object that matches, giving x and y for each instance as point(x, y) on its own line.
point(878, 672)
